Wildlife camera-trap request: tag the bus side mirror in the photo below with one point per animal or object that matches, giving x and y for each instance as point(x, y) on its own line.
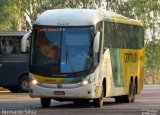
point(96, 43)
point(24, 42)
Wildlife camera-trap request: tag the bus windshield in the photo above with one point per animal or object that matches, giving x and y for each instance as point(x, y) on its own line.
point(62, 50)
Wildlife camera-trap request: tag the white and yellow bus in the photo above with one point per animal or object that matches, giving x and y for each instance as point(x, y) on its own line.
point(83, 55)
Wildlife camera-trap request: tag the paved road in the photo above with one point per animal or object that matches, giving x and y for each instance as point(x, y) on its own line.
point(146, 103)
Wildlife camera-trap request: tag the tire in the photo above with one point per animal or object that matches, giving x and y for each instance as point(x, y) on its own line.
point(134, 93)
point(13, 89)
point(81, 101)
point(131, 96)
point(24, 83)
point(99, 101)
point(45, 102)
point(136, 87)
point(119, 99)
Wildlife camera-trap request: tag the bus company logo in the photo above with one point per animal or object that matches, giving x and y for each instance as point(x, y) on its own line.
point(130, 58)
point(59, 85)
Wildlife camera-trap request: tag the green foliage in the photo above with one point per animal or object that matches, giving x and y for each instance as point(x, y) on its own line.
point(7, 19)
point(148, 55)
point(152, 62)
point(82, 4)
point(30, 9)
point(122, 7)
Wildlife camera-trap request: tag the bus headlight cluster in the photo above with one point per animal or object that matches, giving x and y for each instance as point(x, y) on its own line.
point(85, 82)
point(88, 80)
point(33, 80)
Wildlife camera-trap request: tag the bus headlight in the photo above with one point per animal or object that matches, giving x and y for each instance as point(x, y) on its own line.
point(85, 82)
point(88, 80)
point(35, 82)
point(33, 79)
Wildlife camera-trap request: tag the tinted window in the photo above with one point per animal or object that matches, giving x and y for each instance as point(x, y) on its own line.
point(123, 36)
point(62, 50)
point(10, 45)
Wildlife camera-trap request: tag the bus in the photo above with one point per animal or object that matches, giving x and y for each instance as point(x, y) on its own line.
point(14, 64)
point(84, 55)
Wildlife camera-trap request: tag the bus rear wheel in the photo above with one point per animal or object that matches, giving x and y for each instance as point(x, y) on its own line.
point(131, 95)
point(119, 99)
point(45, 102)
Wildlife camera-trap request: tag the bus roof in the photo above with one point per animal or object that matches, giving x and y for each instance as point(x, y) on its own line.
point(81, 17)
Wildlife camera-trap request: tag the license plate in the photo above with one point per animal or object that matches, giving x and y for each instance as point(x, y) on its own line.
point(59, 93)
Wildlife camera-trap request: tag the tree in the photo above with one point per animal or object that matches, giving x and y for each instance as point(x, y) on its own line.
point(30, 9)
point(86, 4)
point(121, 7)
point(149, 12)
point(8, 21)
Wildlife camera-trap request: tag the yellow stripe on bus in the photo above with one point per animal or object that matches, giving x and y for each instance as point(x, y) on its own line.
point(48, 80)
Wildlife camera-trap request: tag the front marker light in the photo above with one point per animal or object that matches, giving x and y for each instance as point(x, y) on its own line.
point(34, 82)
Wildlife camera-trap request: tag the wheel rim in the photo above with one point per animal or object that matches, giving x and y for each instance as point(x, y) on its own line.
point(25, 84)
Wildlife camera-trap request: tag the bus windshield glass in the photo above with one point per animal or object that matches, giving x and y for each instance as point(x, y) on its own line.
point(62, 50)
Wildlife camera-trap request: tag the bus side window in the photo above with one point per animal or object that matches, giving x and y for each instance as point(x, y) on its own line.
point(28, 44)
point(110, 38)
point(10, 45)
point(16, 45)
point(6, 45)
point(123, 36)
point(107, 35)
point(0, 45)
point(141, 37)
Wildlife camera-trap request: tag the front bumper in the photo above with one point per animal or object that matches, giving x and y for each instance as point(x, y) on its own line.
point(70, 91)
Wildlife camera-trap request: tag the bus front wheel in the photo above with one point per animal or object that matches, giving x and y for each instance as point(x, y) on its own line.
point(45, 102)
point(81, 101)
point(98, 102)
